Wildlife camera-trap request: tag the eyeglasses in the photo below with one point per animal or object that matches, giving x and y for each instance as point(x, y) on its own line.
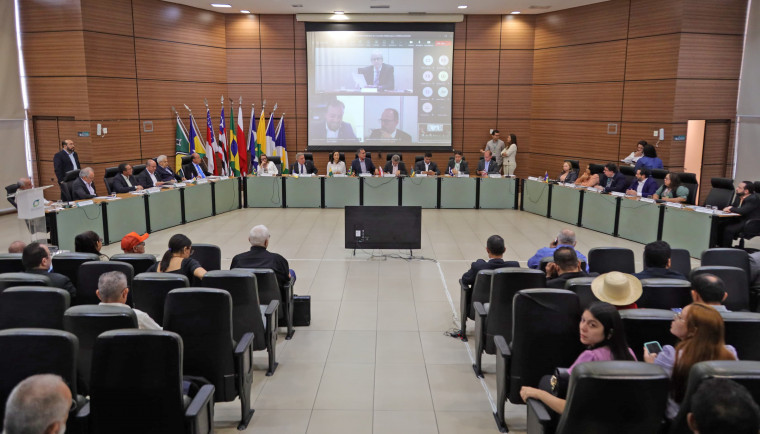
point(377, 58)
point(678, 316)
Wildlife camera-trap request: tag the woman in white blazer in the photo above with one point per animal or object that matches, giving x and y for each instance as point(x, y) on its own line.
point(509, 154)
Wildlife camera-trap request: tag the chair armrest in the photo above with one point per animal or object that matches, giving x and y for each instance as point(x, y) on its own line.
point(204, 396)
point(480, 310)
point(199, 415)
point(272, 308)
point(84, 412)
point(502, 349)
point(538, 417)
point(244, 342)
point(462, 286)
point(288, 289)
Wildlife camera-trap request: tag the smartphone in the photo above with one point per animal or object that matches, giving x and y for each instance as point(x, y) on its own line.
point(653, 347)
point(676, 309)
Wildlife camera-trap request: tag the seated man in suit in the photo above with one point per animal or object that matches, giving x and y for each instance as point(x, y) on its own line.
point(395, 166)
point(644, 185)
point(488, 164)
point(458, 165)
point(657, 262)
point(709, 289)
point(566, 238)
point(362, 164)
point(39, 404)
point(427, 166)
point(36, 259)
point(379, 74)
point(113, 289)
point(388, 131)
point(22, 184)
point(566, 266)
point(83, 187)
point(125, 181)
point(196, 168)
point(722, 405)
point(149, 177)
point(334, 128)
point(495, 249)
point(611, 180)
point(303, 166)
point(164, 172)
point(260, 257)
point(746, 204)
point(65, 160)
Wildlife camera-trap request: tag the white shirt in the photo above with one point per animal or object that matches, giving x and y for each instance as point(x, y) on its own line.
point(340, 167)
point(89, 187)
point(126, 178)
point(394, 169)
point(330, 133)
point(268, 168)
point(73, 161)
point(144, 321)
point(640, 188)
point(152, 177)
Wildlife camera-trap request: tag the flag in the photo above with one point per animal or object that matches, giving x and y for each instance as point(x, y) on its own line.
point(196, 143)
point(242, 161)
point(270, 142)
point(223, 145)
point(212, 148)
point(261, 135)
point(234, 168)
point(279, 142)
point(250, 144)
point(181, 144)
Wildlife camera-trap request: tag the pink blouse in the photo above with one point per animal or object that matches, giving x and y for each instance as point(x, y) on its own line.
point(601, 354)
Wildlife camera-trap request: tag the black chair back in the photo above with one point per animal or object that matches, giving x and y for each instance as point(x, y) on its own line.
point(11, 263)
point(268, 288)
point(418, 158)
point(596, 168)
point(186, 159)
point(136, 383)
point(504, 285)
point(149, 292)
point(582, 287)
point(32, 306)
point(664, 293)
point(138, 169)
point(246, 314)
point(659, 176)
point(735, 279)
point(66, 191)
point(728, 257)
point(209, 255)
point(68, 263)
point(742, 330)
point(141, 262)
point(367, 154)
point(629, 172)
point(645, 325)
point(71, 175)
point(689, 180)
point(481, 289)
point(575, 165)
point(108, 175)
point(308, 156)
point(605, 259)
point(721, 194)
point(9, 280)
point(90, 272)
point(680, 260)
point(277, 160)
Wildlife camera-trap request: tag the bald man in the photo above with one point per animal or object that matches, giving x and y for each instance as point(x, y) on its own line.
point(388, 130)
point(40, 405)
point(378, 75)
point(196, 169)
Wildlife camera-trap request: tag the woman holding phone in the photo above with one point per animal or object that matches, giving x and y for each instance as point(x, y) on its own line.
point(700, 329)
point(601, 331)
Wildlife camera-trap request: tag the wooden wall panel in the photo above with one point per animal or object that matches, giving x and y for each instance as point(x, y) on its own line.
point(282, 94)
point(605, 21)
point(515, 67)
point(705, 99)
point(46, 16)
point(276, 31)
point(58, 96)
point(244, 66)
point(585, 101)
point(301, 129)
point(109, 55)
point(573, 139)
point(716, 143)
point(483, 32)
point(161, 140)
point(655, 17)
point(160, 60)
point(699, 16)
point(278, 66)
point(300, 66)
point(603, 61)
point(649, 101)
point(251, 94)
point(710, 56)
point(457, 101)
point(242, 31)
point(653, 58)
point(112, 98)
point(158, 97)
point(457, 66)
point(121, 142)
point(54, 54)
point(518, 32)
point(631, 133)
point(480, 67)
point(107, 16)
point(514, 102)
point(480, 102)
point(299, 38)
point(301, 102)
point(155, 19)
point(460, 34)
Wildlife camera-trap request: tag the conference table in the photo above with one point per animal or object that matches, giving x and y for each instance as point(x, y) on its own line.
point(641, 220)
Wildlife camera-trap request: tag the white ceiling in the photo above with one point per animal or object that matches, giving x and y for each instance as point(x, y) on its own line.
point(396, 6)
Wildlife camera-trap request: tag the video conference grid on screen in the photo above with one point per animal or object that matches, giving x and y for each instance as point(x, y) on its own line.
point(379, 88)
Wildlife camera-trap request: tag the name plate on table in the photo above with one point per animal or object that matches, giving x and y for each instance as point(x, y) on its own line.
point(533, 178)
point(494, 175)
point(617, 193)
point(265, 174)
point(304, 175)
point(592, 189)
point(647, 200)
point(339, 175)
point(180, 184)
point(389, 175)
point(153, 190)
point(674, 204)
point(85, 203)
point(463, 175)
point(201, 181)
point(365, 174)
point(421, 175)
point(703, 210)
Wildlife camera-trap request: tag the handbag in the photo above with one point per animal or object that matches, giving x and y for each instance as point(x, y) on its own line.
point(301, 310)
point(559, 382)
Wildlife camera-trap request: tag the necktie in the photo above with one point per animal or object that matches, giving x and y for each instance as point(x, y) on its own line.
point(302, 172)
point(199, 171)
point(486, 167)
point(377, 77)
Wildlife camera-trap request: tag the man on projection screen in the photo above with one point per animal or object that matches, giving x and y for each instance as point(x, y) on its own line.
point(379, 74)
point(388, 130)
point(334, 128)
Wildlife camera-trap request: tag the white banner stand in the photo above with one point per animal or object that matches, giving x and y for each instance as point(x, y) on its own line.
point(31, 209)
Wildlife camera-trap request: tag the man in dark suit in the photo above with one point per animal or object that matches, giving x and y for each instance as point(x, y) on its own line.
point(196, 168)
point(36, 259)
point(458, 165)
point(566, 266)
point(379, 74)
point(747, 205)
point(65, 160)
point(334, 127)
point(495, 249)
point(657, 263)
point(388, 131)
point(611, 180)
point(83, 187)
point(149, 177)
point(487, 165)
point(303, 166)
point(362, 164)
point(427, 165)
point(164, 172)
point(125, 181)
point(260, 257)
point(395, 166)
point(644, 185)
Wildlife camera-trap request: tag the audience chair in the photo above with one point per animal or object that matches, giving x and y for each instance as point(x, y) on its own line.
point(689, 180)
point(248, 314)
point(495, 317)
point(30, 351)
point(742, 330)
point(8, 280)
point(721, 194)
point(659, 176)
point(605, 259)
point(108, 175)
point(582, 287)
point(90, 272)
point(68, 263)
point(751, 230)
point(137, 386)
point(270, 290)
point(736, 284)
point(481, 292)
point(629, 172)
point(87, 323)
point(209, 256)
point(11, 189)
point(746, 373)
point(664, 293)
point(138, 169)
point(640, 391)
point(203, 318)
point(140, 262)
point(727, 256)
point(680, 260)
point(149, 292)
point(11, 263)
point(33, 306)
point(645, 325)
point(548, 316)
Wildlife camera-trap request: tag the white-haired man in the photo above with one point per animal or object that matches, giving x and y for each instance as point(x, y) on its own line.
point(112, 289)
point(164, 172)
point(260, 257)
point(83, 187)
point(38, 405)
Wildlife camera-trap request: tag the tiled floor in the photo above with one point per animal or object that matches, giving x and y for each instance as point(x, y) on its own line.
point(375, 358)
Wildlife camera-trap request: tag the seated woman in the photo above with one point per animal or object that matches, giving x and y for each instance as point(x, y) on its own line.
point(587, 179)
point(701, 331)
point(266, 166)
point(672, 190)
point(650, 160)
point(601, 330)
point(568, 174)
point(89, 242)
point(335, 165)
point(177, 259)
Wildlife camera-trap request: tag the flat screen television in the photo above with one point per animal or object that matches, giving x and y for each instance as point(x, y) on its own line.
point(383, 227)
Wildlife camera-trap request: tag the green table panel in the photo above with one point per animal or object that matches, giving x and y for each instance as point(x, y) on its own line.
point(638, 221)
point(380, 191)
point(226, 195)
point(565, 203)
point(535, 197)
point(124, 216)
point(687, 229)
point(341, 192)
point(198, 202)
point(599, 212)
point(73, 221)
point(264, 191)
point(497, 193)
point(303, 192)
point(165, 209)
point(419, 192)
point(458, 192)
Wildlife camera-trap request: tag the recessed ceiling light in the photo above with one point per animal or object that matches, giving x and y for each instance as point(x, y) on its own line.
point(462, 6)
point(220, 5)
point(339, 17)
point(515, 12)
point(339, 13)
point(244, 11)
